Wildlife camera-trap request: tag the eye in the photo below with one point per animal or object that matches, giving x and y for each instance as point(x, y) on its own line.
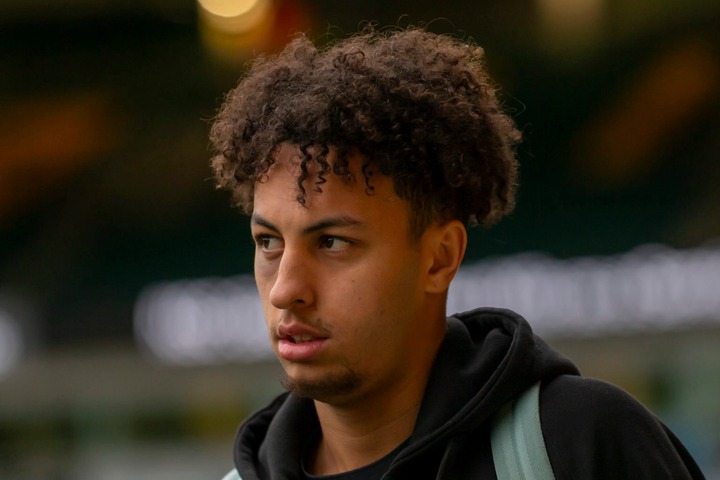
point(268, 243)
point(334, 244)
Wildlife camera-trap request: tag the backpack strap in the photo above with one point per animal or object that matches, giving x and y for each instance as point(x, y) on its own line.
point(518, 446)
point(232, 475)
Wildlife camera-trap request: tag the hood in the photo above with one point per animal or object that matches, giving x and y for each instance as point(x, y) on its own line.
point(488, 357)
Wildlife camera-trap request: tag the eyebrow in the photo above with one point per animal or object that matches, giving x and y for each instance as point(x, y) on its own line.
point(339, 221)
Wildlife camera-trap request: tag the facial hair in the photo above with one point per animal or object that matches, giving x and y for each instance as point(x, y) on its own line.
point(325, 390)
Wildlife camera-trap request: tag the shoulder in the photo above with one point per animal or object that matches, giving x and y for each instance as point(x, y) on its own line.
point(595, 430)
point(582, 397)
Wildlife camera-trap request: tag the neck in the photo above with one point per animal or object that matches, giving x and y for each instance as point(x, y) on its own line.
point(366, 426)
point(355, 437)
point(360, 431)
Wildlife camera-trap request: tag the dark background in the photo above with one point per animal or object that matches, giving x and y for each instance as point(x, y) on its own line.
point(106, 107)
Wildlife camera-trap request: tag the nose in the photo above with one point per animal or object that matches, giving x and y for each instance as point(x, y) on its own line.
point(293, 282)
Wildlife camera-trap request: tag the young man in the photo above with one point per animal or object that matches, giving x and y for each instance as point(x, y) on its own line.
point(361, 166)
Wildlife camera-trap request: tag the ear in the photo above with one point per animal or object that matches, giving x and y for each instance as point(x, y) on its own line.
point(446, 243)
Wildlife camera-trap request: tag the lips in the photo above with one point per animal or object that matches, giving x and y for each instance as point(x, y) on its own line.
point(297, 343)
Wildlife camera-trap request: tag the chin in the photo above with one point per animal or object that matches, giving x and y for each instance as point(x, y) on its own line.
point(328, 389)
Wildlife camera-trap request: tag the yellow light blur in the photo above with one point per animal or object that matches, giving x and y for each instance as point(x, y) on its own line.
point(228, 8)
point(234, 16)
point(570, 25)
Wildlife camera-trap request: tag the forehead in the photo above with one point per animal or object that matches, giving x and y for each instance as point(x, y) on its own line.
point(277, 192)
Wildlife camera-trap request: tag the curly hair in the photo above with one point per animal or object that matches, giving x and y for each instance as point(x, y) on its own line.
point(418, 106)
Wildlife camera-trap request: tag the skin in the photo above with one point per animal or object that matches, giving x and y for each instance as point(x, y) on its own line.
point(366, 302)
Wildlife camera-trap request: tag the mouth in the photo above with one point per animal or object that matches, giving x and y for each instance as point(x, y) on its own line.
point(297, 333)
point(300, 348)
point(297, 339)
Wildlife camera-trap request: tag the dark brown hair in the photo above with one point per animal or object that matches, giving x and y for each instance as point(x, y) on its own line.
point(418, 106)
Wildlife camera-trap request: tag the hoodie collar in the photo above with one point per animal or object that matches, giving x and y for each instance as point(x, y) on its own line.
point(488, 357)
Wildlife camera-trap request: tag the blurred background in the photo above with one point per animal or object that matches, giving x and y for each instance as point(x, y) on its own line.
point(131, 341)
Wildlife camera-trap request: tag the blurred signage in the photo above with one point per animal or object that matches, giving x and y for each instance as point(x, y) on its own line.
point(653, 287)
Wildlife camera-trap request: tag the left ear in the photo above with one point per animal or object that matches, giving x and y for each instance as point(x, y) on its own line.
point(445, 243)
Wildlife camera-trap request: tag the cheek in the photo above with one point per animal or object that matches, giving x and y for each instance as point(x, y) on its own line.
point(264, 273)
point(260, 264)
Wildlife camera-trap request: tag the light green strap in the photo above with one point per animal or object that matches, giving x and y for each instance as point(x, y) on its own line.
point(232, 475)
point(518, 446)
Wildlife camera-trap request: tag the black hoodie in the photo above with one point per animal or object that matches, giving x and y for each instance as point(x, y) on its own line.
point(592, 430)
